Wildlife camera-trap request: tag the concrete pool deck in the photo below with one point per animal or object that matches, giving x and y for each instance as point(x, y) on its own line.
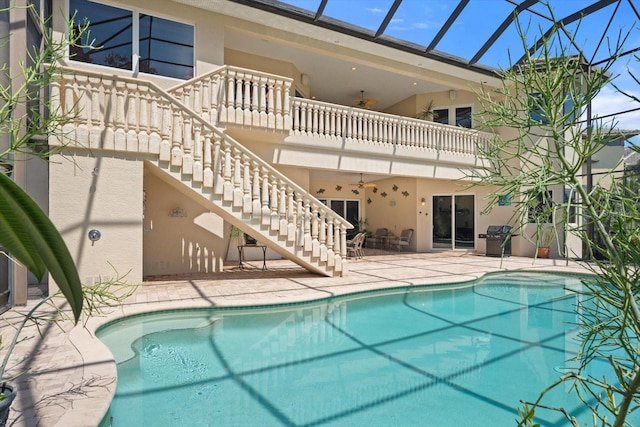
point(69, 376)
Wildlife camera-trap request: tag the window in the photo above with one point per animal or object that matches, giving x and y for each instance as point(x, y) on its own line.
point(462, 116)
point(536, 112)
point(163, 47)
point(441, 116)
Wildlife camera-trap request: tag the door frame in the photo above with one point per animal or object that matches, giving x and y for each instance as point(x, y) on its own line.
point(453, 222)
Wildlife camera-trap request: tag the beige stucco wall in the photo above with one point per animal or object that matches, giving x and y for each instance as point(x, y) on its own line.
point(103, 193)
point(175, 244)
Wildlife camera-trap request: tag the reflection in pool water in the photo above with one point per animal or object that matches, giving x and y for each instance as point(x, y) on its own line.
point(451, 356)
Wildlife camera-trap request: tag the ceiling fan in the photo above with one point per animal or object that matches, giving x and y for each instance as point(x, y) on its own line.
point(364, 102)
point(363, 184)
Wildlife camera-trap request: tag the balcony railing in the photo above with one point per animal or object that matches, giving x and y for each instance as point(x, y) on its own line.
point(233, 96)
point(334, 122)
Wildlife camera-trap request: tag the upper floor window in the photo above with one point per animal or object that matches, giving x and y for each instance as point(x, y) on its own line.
point(134, 41)
point(536, 110)
point(441, 115)
point(460, 116)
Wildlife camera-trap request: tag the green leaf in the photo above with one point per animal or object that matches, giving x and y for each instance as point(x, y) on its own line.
point(32, 239)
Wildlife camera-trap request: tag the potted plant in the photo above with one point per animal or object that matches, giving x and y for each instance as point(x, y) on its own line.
point(545, 235)
point(427, 112)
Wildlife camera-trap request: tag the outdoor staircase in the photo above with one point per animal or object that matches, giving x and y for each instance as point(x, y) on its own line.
point(177, 133)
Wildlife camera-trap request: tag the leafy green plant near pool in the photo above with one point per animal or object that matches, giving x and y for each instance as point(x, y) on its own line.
point(550, 151)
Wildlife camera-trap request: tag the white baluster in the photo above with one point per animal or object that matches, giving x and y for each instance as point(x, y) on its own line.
point(255, 101)
point(131, 106)
point(187, 144)
point(95, 129)
point(315, 244)
point(263, 102)
point(308, 244)
point(176, 138)
point(322, 238)
point(218, 174)
point(278, 105)
point(336, 246)
point(291, 216)
point(247, 101)
point(300, 221)
point(286, 106)
point(216, 99)
point(255, 191)
point(275, 219)
point(109, 102)
point(271, 119)
point(196, 99)
point(197, 152)
point(296, 119)
point(55, 103)
point(166, 130)
point(246, 181)
point(120, 138)
point(282, 209)
point(155, 116)
point(227, 195)
point(238, 98)
point(331, 259)
point(237, 178)
point(143, 119)
point(207, 173)
point(303, 119)
point(265, 212)
point(81, 116)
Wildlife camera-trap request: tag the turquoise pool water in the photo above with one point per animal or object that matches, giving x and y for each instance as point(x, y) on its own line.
point(458, 355)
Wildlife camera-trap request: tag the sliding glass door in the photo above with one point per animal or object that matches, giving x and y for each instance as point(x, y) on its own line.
point(453, 222)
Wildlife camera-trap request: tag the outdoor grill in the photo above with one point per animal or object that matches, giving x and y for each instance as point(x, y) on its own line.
point(498, 240)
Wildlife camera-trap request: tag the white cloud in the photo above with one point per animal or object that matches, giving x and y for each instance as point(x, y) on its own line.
point(376, 10)
point(610, 101)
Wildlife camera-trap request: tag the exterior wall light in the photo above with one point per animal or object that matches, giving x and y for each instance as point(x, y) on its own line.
point(94, 235)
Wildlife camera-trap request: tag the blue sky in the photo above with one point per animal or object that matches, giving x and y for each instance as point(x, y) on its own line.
point(418, 21)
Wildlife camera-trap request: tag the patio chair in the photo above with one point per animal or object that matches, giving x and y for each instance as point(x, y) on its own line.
point(403, 240)
point(378, 238)
point(354, 246)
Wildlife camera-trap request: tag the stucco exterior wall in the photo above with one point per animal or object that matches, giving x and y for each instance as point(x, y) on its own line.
point(181, 235)
point(105, 194)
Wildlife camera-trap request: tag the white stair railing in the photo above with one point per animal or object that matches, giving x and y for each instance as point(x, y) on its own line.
point(128, 115)
point(236, 96)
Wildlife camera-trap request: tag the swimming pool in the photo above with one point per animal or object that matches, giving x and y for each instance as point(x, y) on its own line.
point(438, 356)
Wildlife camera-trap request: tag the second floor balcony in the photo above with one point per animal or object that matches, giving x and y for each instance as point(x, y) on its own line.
point(239, 99)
